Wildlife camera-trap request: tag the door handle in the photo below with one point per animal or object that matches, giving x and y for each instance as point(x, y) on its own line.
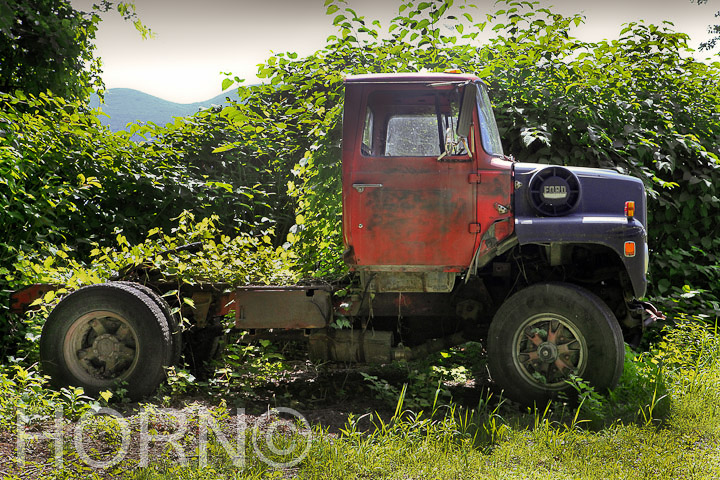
point(360, 187)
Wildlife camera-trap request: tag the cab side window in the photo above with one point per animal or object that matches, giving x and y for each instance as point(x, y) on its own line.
point(401, 123)
point(412, 135)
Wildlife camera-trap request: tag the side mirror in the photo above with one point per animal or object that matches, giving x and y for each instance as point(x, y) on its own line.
point(467, 105)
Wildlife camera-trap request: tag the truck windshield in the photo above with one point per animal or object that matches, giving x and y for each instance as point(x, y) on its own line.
point(402, 123)
point(488, 128)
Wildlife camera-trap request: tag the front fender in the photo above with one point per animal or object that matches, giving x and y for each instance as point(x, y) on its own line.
point(611, 231)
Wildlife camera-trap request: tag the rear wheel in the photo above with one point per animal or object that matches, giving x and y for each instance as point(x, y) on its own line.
point(547, 332)
point(102, 335)
point(172, 320)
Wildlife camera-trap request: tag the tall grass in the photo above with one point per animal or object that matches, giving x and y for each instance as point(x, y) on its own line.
point(663, 421)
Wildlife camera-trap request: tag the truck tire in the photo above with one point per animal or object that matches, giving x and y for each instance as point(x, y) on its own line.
point(172, 320)
point(103, 335)
point(546, 332)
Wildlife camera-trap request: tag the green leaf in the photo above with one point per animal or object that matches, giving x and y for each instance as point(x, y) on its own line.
point(224, 148)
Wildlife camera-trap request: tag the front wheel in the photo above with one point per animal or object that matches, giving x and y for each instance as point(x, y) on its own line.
point(104, 335)
point(547, 332)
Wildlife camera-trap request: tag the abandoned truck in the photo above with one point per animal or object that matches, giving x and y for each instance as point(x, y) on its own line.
point(449, 240)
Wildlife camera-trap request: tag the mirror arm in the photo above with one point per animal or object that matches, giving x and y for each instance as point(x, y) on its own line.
point(438, 116)
point(471, 135)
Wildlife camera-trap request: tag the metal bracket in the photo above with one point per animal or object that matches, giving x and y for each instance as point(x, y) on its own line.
point(501, 209)
point(647, 311)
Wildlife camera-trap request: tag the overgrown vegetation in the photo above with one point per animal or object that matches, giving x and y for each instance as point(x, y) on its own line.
point(258, 183)
point(269, 163)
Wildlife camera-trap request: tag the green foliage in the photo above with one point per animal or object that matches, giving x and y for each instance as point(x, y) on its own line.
point(426, 381)
point(66, 180)
point(245, 367)
point(641, 396)
point(643, 391)
point(46, 45)
point(662, 385)
point(24, 391)
point(270, 162)
point(179, 382)
point(239, 260)
point(244, 179)
point(66, 177)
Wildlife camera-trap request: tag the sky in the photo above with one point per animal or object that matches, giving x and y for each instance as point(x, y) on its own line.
point(196, 40)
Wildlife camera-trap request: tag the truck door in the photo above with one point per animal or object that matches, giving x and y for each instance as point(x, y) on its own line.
point(404, 206)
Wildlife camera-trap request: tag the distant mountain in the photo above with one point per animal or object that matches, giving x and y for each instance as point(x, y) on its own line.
point(125, 105)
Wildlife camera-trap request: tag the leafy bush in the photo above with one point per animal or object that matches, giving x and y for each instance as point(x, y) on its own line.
point(639, 105)
point(24, 391)
point(47, 45)
point(65, 180)
point(268, 166)
point(238, 260)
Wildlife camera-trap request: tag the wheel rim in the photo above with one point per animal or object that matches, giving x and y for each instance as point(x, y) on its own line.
point(548, 348)
point(101, 347)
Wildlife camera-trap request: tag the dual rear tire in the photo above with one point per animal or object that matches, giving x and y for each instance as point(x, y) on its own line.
point(103, 336)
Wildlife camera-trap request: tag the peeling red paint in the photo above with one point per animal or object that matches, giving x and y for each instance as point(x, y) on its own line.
point(415, 210)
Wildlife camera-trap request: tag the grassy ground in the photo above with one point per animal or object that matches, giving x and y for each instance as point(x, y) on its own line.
point(661, 422)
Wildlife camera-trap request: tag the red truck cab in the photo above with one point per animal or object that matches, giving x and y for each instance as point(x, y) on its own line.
point(426, 186)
